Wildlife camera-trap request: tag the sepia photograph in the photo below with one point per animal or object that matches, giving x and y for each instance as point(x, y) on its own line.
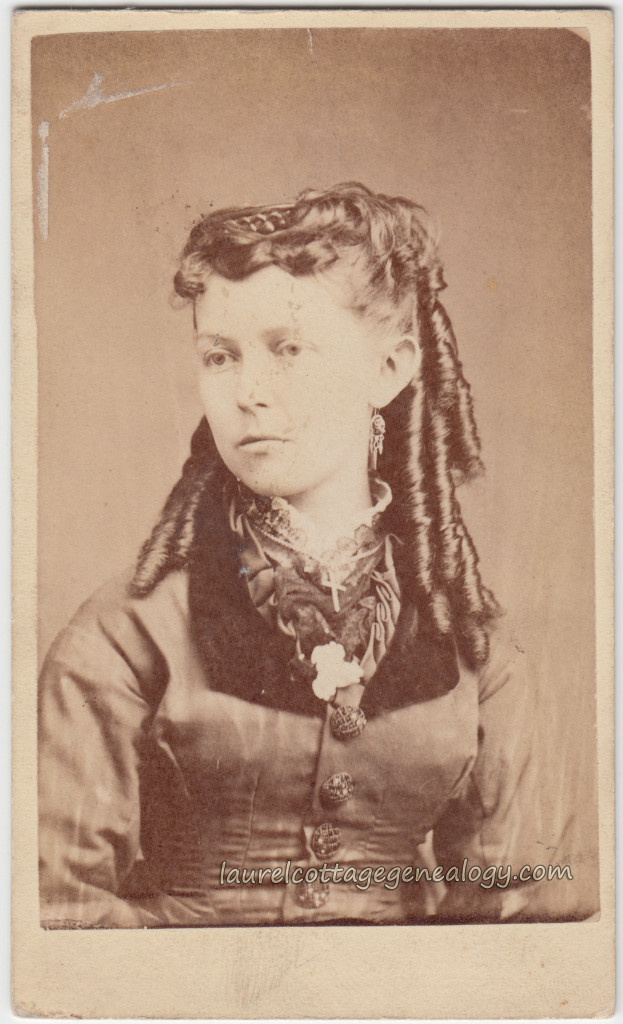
point(315, 494)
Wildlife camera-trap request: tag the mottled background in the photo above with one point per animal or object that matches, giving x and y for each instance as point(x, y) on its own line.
point(490, 130)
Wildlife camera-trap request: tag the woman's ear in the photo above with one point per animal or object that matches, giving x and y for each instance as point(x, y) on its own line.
point(400, 363)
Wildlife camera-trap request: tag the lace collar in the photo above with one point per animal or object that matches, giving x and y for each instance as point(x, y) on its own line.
point(281, 524)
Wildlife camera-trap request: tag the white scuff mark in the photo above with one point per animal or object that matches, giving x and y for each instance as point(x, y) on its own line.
point(519, 110)
point(43, 179)
point(310, 42)
point(585, 109)
point(94, 95)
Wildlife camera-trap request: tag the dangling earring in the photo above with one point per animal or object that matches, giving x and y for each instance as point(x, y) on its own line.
point(377, 436)
point(241, 491)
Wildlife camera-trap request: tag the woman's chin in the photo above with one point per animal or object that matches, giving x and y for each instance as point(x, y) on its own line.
point(269, 486)
point(263, 466)
point(271, 483)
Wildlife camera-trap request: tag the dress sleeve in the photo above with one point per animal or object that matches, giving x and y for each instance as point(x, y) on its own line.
point(98, 690)
point(500, 824)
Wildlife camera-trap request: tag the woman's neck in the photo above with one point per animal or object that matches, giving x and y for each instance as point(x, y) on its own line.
point(335, 502)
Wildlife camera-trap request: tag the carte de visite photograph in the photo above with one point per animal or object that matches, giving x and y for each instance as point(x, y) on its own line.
point(315, 365)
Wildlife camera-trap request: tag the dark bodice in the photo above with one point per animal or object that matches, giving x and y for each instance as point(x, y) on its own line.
point(151, 776)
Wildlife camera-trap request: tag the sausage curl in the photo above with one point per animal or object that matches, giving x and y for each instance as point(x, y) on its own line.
point(383, 253)
point(169, 546)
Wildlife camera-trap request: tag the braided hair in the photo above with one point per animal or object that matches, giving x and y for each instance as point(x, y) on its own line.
point(384, 251)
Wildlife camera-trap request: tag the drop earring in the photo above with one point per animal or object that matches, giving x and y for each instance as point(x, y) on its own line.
point(377, 436)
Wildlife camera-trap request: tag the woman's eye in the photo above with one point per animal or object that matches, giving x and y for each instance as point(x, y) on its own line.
point(217, 358)
point(289, 348)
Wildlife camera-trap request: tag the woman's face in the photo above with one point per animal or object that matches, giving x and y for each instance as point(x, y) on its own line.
point(288, 380)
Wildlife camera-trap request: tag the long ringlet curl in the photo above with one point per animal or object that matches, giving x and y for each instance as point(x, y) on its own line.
point(383, 252)
point(169, 546)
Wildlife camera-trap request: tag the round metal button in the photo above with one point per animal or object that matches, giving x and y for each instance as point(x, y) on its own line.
point(312, 894)
point(347, 722)
point(325, 840)
point(337, 788)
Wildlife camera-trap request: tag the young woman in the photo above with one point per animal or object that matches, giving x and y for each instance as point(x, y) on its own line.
point(295, 708)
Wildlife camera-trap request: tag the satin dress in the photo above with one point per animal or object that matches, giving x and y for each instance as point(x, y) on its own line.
point(165, 788)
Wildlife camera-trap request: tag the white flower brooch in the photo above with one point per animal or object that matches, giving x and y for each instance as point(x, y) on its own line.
point(333, 671)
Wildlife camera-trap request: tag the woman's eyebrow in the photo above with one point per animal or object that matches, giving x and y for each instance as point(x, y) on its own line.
point(214, 339)
point(275, 334)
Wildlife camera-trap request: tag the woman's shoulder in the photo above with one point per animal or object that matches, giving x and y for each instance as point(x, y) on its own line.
point(113, 621)
point(118, 593)
point(115, 600)
point(507, 663)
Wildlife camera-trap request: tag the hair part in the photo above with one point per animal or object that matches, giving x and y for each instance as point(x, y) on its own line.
point(385, 256)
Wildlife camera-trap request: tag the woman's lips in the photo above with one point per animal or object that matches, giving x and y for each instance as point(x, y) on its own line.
point(259, 444)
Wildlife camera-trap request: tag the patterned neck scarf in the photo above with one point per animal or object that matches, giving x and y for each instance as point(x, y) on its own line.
point(347, 594)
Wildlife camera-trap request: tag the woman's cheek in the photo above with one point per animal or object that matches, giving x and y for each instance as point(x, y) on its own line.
point(215, 400)
point(205, 389)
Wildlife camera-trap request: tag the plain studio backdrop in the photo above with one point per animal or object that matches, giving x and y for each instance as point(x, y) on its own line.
point(141, 133)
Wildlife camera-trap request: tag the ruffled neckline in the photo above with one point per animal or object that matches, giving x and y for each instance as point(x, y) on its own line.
point(353, 614)
point(246, 657)
point(279, 523)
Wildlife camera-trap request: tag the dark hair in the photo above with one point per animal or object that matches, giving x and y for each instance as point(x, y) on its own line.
point(394, 272)
point(385, 245)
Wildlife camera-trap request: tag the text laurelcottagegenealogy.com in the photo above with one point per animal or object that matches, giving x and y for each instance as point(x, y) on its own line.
point(499, 876)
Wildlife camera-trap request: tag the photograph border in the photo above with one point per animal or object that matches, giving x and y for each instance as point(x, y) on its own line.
point(522, 970)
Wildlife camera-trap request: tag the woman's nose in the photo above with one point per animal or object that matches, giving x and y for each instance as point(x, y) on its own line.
point(253, 384)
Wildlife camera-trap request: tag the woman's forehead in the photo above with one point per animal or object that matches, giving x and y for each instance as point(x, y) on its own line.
point(268, 294)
